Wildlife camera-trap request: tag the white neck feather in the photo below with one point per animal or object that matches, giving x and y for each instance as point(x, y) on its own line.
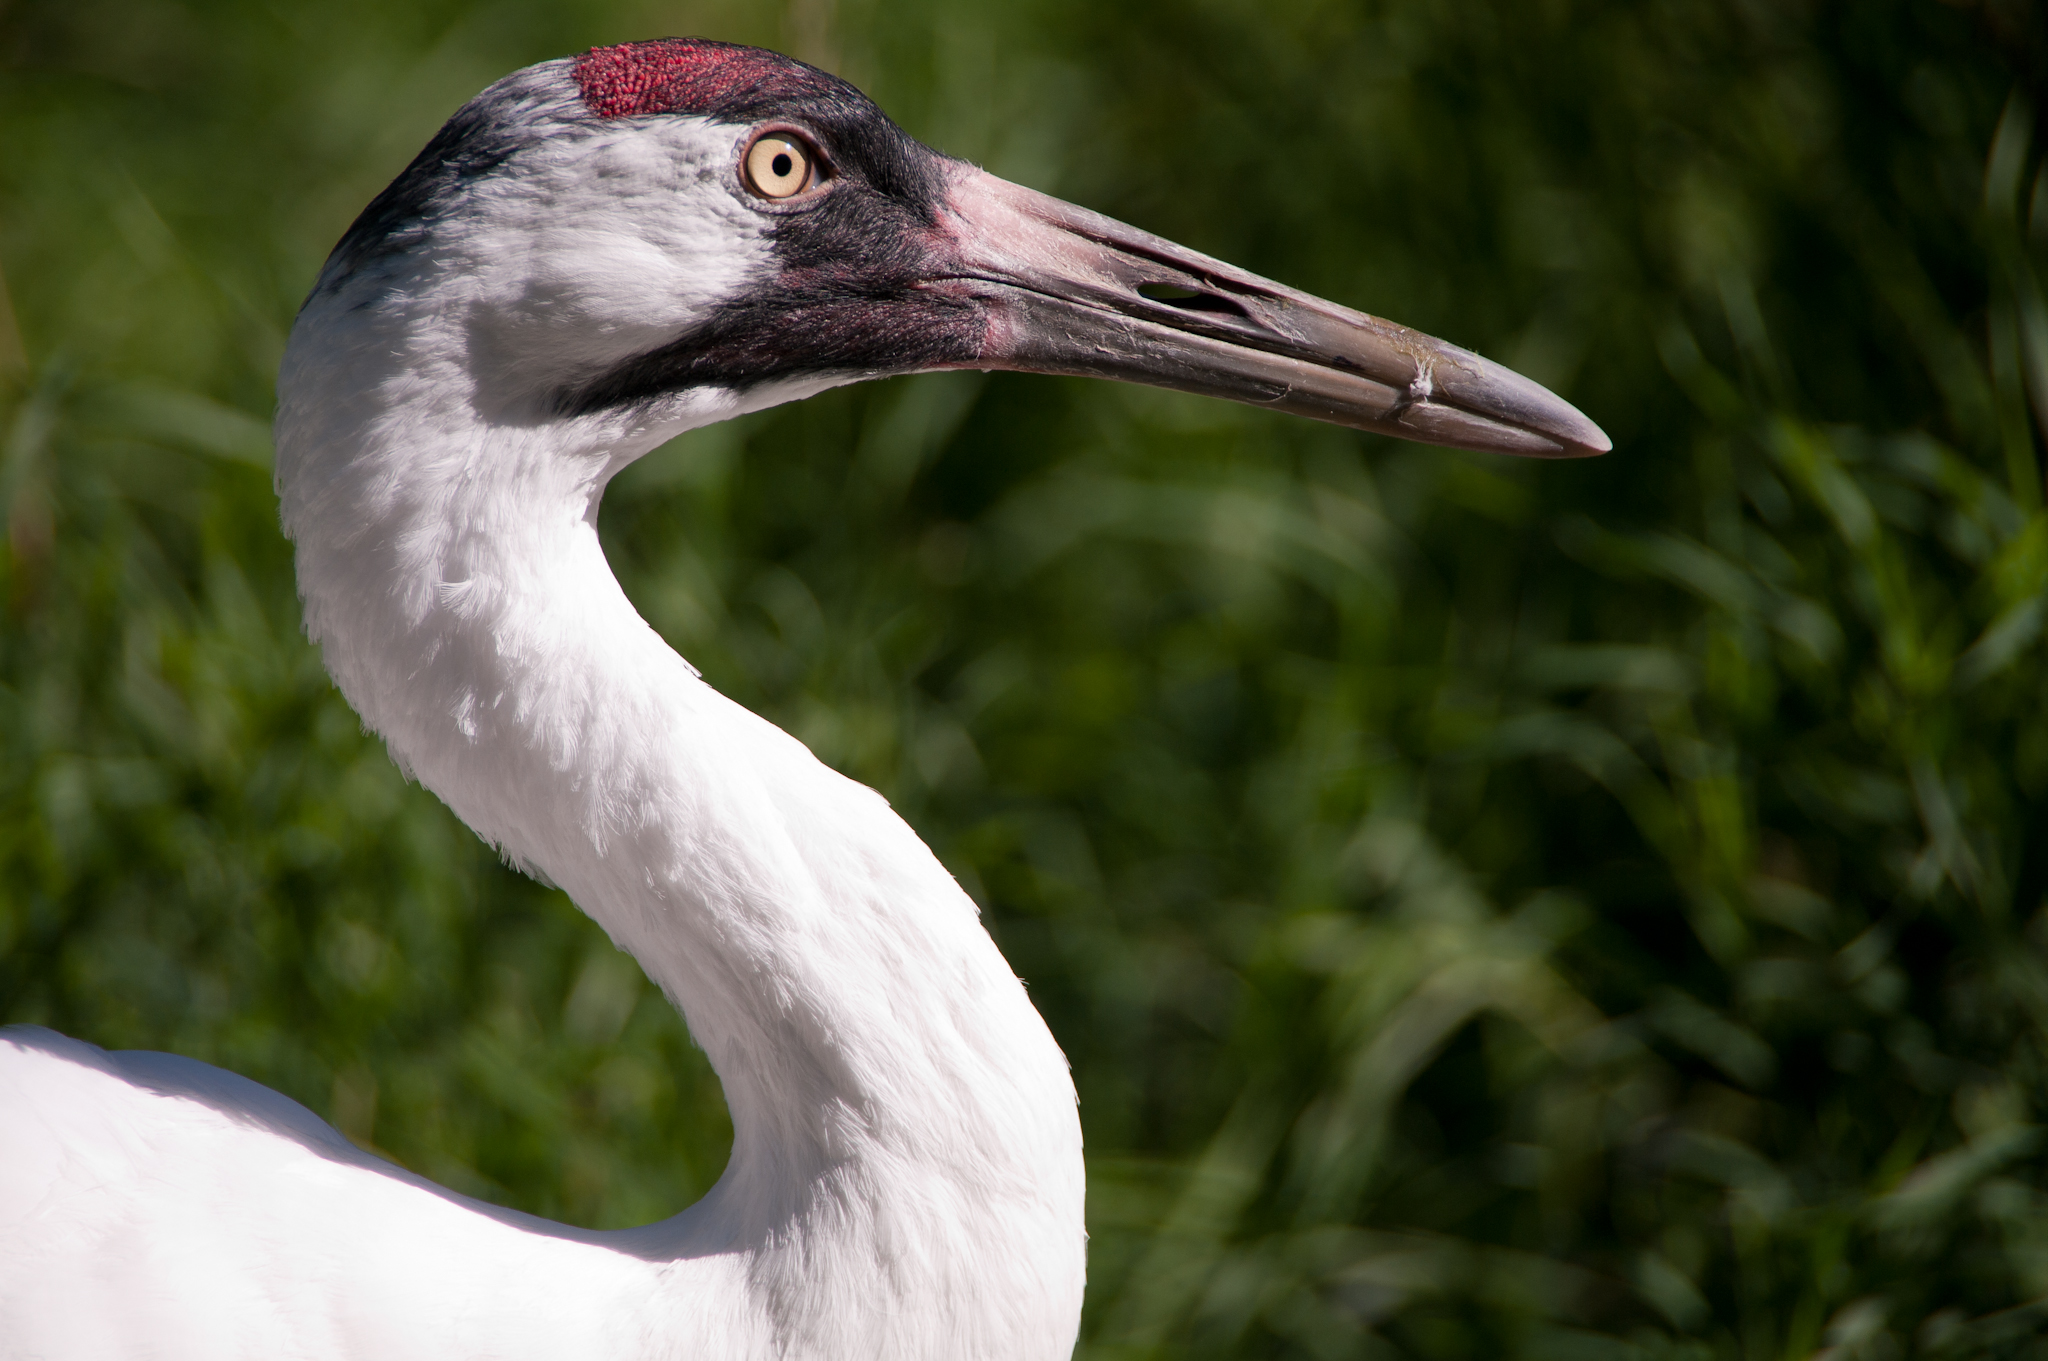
point(906, 1173)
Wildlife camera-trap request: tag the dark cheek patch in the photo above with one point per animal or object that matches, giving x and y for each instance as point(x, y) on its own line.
point(690, 75)
point(793, 332)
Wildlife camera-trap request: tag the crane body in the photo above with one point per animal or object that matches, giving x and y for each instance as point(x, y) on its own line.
point(595, 256)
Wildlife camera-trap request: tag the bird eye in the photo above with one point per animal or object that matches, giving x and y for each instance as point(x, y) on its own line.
point(779, 167)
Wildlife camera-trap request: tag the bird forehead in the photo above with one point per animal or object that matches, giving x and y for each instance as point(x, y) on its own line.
point(692, 75)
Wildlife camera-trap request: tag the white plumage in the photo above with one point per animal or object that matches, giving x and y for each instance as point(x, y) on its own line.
point(577, 278)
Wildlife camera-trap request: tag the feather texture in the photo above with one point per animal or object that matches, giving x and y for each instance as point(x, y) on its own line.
point(906, 1176)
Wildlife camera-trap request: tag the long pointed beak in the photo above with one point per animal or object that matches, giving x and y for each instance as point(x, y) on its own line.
point(1072, 292)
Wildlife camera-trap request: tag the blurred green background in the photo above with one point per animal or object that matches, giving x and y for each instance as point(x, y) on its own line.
point(1494, 910)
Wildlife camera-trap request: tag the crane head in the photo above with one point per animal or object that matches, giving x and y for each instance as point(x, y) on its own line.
point(647, 225)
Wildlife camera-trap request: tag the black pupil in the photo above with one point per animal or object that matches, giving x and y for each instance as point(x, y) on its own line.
point(782, 164)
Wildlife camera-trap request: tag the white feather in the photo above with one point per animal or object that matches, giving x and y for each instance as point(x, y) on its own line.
point(906, 1176)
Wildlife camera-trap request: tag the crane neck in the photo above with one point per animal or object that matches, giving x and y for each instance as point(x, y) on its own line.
point(902, 1120)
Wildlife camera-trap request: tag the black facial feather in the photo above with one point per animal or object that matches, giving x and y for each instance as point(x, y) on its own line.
point(481, 137)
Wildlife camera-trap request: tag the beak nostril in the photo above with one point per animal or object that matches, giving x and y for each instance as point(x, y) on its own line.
point(1188, 300)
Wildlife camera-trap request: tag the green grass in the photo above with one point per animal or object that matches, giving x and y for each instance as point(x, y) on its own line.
point(1494, 910)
